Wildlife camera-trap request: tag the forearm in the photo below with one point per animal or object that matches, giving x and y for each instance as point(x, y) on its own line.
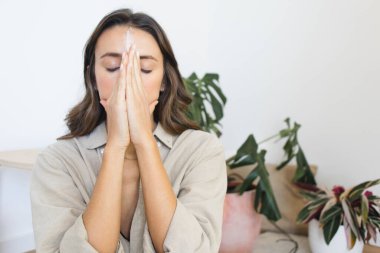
point(159, 198)
point(102, 216)
point(130, 194)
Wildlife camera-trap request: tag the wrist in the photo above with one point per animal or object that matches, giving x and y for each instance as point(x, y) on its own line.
point(147, 145)
point(148, 142)
point(113, 149)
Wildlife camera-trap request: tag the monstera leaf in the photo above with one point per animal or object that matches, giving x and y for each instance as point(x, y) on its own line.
point(208, 101)
point(265, 202)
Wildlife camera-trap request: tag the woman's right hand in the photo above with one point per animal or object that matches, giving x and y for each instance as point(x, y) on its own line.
point(116, 109)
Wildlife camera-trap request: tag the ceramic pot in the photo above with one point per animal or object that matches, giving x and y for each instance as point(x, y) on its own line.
point(241, 223)
point(338, 243)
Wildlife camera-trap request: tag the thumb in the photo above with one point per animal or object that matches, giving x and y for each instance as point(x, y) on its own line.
point(104, 104)
point(152, 106)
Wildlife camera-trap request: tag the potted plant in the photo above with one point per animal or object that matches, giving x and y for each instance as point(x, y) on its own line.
point(255, 189)
point(340, 220)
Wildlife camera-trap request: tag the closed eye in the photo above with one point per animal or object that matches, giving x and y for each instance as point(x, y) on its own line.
point(117, 68)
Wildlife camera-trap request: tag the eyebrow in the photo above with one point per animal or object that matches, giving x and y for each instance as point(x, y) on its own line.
point(117, 55)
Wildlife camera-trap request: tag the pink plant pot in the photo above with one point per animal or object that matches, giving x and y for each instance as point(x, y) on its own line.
point(241, 223)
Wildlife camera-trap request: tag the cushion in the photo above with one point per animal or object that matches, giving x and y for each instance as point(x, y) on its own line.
point(289, 201)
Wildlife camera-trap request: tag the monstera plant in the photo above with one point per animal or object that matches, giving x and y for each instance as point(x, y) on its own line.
point(207, 110)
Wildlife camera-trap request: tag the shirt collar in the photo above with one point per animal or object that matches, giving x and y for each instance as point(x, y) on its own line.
point(98, 137)
point(163, 136)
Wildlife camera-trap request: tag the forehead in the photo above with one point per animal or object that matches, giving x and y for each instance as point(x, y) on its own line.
point(114, 40)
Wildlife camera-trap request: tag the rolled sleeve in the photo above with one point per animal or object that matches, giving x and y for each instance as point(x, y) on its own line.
point(196, 225)
point(57, 208)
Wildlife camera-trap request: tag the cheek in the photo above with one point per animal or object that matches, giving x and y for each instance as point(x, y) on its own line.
point(152, 84)
point(105, 81)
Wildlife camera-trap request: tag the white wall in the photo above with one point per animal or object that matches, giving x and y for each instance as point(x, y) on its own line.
point(315, 61)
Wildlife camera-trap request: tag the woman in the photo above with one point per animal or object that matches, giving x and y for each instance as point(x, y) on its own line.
point(134, 174)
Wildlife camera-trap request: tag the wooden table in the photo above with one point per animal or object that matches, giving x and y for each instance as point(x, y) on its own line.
point(371, 249)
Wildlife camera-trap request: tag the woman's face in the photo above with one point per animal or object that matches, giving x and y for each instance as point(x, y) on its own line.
point(109, 47)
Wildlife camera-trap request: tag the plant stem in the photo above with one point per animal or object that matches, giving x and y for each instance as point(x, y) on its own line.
point(293, 250)
point(267, 139)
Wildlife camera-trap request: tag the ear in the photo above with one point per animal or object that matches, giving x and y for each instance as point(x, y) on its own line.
point(163, 85)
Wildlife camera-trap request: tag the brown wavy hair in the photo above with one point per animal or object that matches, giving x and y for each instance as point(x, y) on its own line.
point(174, 100)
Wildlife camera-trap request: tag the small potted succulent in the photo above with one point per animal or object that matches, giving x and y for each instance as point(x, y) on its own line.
point(340, 220)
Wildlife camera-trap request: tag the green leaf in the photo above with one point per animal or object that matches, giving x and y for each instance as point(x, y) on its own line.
point(350, 237)
point(374, 198)
point(371, 232)
point(264, 193)
point(285, 132)
point(290, 146)
point(303, 172)
point(303, 215)
point(287, 121)
point(309, 195)
point(284, 163)
point(331, 227)
point(217, 107)
point(358, 190)
point(207, 97)
point(351, 217)
point(311, 210)
point(375, 221)
point(265, 202)
point(330, 214)
point(249, 147)
point(210, 77)
point(318, 202)
point(364, 208)
point(248, 181)
point(213, 83)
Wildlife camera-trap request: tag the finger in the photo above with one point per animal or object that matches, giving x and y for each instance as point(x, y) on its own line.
point(116, 86)
point(152, 106)
point(132, 65)
point(129, 72)
point(136, 65)
point(104, 104)
point(122, 82)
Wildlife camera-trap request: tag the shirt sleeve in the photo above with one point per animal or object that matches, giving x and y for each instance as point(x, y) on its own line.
point(57, 208)
point(196, 225)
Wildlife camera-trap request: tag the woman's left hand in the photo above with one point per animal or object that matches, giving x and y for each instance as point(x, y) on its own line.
point(138, 107)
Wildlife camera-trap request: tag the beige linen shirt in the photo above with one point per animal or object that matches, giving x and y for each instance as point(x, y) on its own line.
point(64, 177)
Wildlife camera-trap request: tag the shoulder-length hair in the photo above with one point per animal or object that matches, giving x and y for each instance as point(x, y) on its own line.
point(171, 111)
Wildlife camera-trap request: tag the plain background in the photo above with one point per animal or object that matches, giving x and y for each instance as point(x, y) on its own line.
point(317, 62)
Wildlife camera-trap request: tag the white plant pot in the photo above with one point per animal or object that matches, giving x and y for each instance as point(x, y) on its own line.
point(337, 245)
